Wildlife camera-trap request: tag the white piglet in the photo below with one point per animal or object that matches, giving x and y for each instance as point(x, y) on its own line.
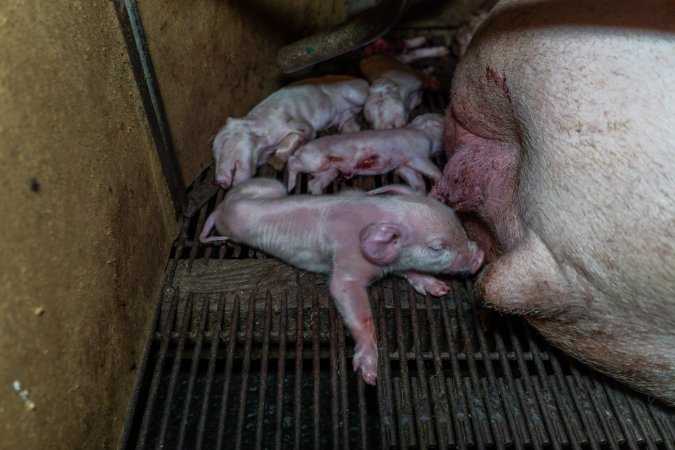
point(283, 121)
point(395, 90)
point(372, 152)
point(353, 236)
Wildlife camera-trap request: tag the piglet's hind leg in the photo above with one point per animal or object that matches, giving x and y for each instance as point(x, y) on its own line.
point(425, 167)
point(321, 179)
point(413, 178)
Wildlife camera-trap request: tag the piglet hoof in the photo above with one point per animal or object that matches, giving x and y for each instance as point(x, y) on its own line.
point(438, 289)
point(366, 361)
point(426, 284)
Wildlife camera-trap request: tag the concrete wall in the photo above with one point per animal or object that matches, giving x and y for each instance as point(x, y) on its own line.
point(86, 225)
point(213, 60)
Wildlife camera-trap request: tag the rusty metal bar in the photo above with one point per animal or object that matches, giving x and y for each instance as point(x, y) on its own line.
point(487, 427)
point(215, 341)
point(384, 388)
point(460, 408)
point(665, 426)
point(245, 371)
point(344, 373)
point(201, 326)
point(316, 368)
point(335, 401)
point(587, 423)
point(265, 355)
point(153, 105)
point(439, 402)
point(407, 431)
point(398, 401)
point(154, 385)
point(493, 401)
point(363, 427)
point(229, 359)
point(583, 404)
point(593, 428)
point(357, 31)
point(622, 415)
point(538, 418)
point(421, 398)
point(503, 404)
point(178, 359)
point(642, 419)
point(297, 407)
point(560, 433)
point(610, 428)
point(281, 368)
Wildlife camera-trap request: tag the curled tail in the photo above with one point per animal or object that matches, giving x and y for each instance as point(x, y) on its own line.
point(208, 226)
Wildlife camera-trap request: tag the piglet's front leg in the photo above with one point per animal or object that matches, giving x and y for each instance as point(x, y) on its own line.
point(351, 299)
point(426, 284)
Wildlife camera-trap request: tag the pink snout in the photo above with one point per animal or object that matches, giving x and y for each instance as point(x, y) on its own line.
point(476, 260)
point(469, 259)
point(222, 182)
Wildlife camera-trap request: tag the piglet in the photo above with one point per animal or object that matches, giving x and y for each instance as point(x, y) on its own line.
point(283, 121)
point(372, 152)
point(355, 237)
point(395, 90)
point(407, 50)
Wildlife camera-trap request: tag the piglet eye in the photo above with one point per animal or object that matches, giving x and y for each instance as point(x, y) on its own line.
point(437, 246)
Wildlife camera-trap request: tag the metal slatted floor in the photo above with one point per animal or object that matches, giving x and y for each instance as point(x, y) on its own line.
point(248, 352)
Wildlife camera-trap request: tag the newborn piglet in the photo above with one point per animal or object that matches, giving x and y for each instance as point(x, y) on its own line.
point(395, 90)
point(283, 121)
point(405, 51)
point(372, 152)
point(353, 236)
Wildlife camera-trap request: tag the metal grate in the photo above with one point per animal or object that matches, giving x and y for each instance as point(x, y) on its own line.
point(248, 352)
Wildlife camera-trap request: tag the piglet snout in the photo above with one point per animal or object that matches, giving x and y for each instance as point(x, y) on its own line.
point(477, 258)
point(222, 182)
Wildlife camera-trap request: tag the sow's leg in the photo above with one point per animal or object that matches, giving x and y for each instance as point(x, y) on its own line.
point(575, 316)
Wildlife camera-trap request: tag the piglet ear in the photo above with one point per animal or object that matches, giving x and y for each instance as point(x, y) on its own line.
point(393, 189)
point(381, 243)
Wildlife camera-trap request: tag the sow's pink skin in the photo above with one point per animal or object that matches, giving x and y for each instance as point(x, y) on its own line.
point(372, 152)
point(355, 237)
point(561, 145)
point(395, 90)
point(283, 121)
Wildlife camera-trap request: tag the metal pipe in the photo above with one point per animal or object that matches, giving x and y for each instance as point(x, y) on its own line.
point(355, 32)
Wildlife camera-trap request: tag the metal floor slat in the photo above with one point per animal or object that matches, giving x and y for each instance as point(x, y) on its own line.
point(290, 386)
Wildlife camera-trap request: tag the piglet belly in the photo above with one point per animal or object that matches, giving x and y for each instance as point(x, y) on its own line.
point(284, 229)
